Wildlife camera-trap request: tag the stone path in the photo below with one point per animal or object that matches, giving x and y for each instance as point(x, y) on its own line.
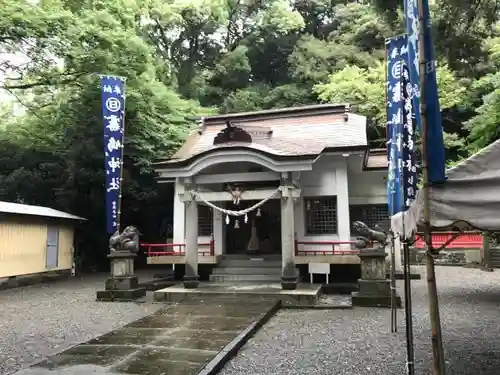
point(41, 320)
point(176, 340)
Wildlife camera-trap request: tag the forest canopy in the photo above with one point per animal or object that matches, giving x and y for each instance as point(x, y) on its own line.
point(185, 58)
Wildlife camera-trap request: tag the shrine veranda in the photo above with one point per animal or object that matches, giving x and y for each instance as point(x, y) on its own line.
point(284, 184)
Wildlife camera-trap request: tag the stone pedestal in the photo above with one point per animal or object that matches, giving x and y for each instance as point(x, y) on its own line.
point(122, 285)
point(374, 287)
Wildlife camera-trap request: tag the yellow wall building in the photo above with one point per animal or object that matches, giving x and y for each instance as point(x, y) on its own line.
point(34, 240)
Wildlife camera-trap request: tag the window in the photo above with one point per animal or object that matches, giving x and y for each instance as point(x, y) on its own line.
point(205, 220)
point(321, 215)
point(370, 214)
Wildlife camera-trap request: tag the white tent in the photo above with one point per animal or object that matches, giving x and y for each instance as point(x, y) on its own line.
point(469, 199)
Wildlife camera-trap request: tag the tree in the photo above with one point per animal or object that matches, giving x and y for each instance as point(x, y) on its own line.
point(184, 58)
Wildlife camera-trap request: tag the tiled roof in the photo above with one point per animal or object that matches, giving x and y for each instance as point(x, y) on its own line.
point(26, 209)
point(286, 132)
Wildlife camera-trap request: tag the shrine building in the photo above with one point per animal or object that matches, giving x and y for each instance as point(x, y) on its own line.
point(271, 196)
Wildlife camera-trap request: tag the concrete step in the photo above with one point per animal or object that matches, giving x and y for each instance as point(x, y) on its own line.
point(252, 278)
point(254, 256)
point(241, 263)
point(246, 271)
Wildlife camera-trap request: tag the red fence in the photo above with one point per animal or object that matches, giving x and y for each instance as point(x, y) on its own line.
point(327, 248)
point(173, 249)
point(463, 241)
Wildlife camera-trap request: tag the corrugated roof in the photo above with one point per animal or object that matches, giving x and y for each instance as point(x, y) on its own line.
point(26, 209)
point(305, 134)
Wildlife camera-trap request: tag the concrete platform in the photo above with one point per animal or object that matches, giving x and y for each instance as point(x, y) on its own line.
point(305, 294)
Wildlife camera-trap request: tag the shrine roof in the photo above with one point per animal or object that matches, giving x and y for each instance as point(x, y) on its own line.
point(288, 132)
point(375, 159)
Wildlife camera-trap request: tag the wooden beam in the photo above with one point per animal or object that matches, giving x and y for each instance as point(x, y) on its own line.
point(237, 177)
point(250, 195)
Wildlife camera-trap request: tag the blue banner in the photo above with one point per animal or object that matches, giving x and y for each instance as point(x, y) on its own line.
point(113, 113)
point(396, 50)
point(409, 172)
point(434, 141)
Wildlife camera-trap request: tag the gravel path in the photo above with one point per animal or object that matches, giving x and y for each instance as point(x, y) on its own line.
point(359, 342)
point(41, 320)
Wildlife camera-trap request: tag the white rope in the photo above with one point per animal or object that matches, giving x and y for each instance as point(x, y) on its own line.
point(238, 213)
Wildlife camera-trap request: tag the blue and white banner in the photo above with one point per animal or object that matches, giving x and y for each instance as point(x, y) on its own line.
point(113, 113)
point(409, 171)
point(396, 50)
point(434, 141)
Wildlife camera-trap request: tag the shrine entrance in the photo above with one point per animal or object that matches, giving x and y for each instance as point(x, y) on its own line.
point(260, 234)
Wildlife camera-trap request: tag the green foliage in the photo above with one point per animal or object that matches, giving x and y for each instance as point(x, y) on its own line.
point(364, 89)
point(188, 58)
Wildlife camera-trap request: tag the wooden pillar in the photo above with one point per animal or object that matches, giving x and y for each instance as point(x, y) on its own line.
point(288, 270)
point(191, 248)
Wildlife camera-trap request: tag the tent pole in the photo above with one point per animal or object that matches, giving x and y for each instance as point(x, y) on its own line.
point(436, 336)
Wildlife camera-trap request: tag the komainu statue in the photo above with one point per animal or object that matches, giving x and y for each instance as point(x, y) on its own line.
point(367, 235)
point(128, 240)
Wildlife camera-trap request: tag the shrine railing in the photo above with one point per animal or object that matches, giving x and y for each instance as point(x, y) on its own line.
point(173, 249)
point(327, 248)
point(467, 240)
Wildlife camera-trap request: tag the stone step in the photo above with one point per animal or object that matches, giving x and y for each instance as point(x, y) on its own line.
point(245, 263)
point(247, 271)
point(251, 278)
point(253, 256)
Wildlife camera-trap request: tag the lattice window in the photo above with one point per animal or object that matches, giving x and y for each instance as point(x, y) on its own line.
point(370, 214)
point(205, 220)
point(321, 215)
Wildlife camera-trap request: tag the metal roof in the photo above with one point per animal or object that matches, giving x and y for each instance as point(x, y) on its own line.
point(307, 134)
point(26, 209)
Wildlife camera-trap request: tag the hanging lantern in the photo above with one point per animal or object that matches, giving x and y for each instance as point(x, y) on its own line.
point(236, 224)
point(246, 218)
point(227, 220)
point(258, 214)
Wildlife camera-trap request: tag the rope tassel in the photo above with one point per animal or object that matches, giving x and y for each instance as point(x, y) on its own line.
point(238, 213)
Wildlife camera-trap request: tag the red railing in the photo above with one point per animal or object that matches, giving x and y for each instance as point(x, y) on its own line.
point(328, 248)
point(174, 249)
point(465, 240)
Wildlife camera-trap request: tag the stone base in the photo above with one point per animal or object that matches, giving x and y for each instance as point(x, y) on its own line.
point(190, 282)
point(122, 283)
point(120, 295)
point(304, 295)
point(374, 300)
point(374, 293)
point(289, 282)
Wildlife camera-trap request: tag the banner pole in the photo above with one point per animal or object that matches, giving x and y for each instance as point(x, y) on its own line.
point(392, 187)
point(410, 351)
point(436, 335)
